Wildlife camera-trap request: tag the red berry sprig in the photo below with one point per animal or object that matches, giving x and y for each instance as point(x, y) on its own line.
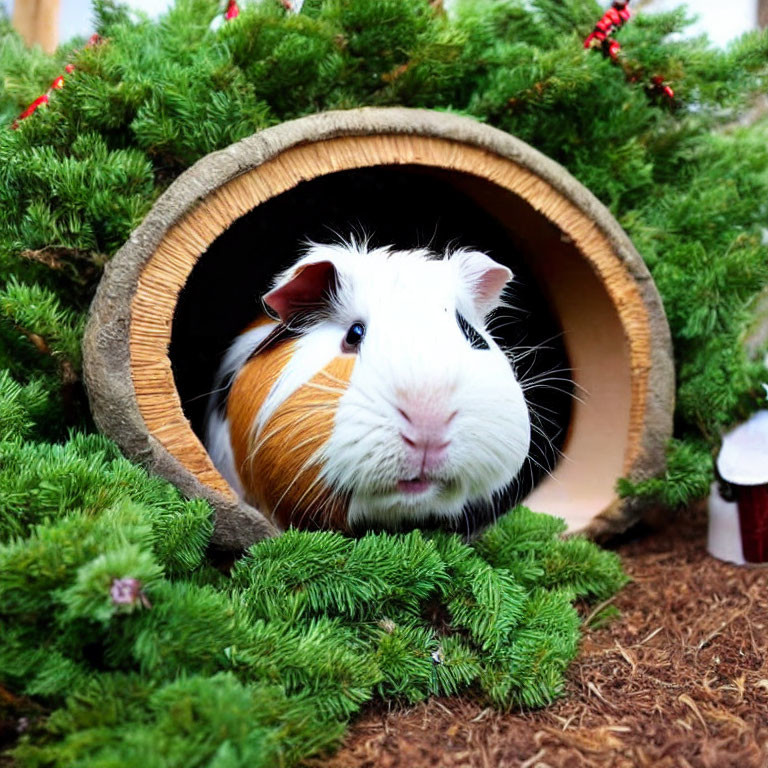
point(56, 85)
point(659, 88)
point(601, 37)
point(232, 12)
point(613, 19)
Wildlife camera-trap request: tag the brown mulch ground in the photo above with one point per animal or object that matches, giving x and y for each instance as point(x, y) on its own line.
point(680, 679)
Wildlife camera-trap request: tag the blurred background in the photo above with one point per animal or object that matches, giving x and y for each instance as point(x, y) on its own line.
point(49, 22)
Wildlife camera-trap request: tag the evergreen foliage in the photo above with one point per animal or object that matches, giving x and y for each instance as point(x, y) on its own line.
point(263, 665)
point(269, 662)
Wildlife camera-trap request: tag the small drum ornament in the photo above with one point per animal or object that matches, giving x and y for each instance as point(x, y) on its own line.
point(738, 505)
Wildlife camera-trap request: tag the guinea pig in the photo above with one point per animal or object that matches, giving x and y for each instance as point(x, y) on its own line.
point(371, 393)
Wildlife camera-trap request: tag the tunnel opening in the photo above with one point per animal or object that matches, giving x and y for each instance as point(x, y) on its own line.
point(404, 206)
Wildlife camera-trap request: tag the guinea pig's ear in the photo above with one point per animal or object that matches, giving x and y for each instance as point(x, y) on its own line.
point(304, 287)
point(484, 277)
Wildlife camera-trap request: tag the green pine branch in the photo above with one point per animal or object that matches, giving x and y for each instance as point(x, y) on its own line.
point(265, 664)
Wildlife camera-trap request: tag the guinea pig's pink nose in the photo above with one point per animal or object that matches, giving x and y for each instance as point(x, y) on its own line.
point(425, 431)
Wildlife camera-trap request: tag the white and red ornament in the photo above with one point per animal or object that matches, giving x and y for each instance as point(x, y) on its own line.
point(738, 504)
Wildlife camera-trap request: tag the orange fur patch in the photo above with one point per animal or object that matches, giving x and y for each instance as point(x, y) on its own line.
point(258, 322)
point(276, 468)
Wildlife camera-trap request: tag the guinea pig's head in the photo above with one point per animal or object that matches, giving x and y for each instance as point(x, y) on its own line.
point(419, 410)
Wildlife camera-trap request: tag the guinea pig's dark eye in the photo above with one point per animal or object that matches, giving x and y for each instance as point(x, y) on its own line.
point(354, 336)
point(476, 341)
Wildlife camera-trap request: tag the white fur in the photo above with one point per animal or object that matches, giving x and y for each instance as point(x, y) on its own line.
point(413, 346)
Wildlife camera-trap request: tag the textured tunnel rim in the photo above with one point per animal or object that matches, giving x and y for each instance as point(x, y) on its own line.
point(107, 346)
